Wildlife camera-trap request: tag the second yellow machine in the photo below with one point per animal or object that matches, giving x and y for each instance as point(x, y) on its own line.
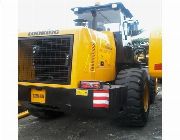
point(89, 68)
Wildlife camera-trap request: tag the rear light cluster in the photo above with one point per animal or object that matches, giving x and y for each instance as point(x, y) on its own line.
point(158, 66)
point(90, 84)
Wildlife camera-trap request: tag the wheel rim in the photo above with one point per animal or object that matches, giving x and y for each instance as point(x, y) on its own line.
point(146, 98)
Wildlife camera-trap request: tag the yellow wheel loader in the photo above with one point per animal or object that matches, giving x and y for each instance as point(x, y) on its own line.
point(90, 68)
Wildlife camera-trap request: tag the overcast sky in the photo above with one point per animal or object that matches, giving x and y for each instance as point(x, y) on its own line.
point(36, 15)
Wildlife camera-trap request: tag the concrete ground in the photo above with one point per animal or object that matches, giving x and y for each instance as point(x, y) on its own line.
point(75, 127)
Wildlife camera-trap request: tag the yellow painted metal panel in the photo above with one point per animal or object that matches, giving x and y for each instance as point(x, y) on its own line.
point(93, 57)
point(155, 54)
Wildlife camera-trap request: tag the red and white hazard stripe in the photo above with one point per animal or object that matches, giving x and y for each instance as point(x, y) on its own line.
point(101, 98)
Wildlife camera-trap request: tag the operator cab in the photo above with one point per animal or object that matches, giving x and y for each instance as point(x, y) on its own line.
point(110, 17)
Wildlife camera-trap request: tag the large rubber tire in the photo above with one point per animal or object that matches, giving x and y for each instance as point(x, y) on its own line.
point(136, 81)
point(152, 89)
point(44, 114)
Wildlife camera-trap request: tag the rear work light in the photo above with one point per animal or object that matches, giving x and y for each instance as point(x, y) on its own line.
point(90, 84)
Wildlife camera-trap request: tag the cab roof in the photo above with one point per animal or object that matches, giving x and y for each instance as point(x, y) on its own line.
point(108, 13)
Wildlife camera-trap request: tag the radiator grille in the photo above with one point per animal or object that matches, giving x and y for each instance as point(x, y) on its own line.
point(45, 59)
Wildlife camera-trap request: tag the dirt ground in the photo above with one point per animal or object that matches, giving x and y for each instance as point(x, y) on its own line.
point(76, 127)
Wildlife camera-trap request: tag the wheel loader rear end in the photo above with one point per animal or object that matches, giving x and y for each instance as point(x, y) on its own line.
point(85, 69)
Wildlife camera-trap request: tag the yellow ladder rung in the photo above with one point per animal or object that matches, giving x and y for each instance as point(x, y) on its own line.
point(23, 114)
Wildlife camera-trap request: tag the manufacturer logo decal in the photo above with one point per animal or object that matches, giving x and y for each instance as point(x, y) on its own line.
point(39, 33)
